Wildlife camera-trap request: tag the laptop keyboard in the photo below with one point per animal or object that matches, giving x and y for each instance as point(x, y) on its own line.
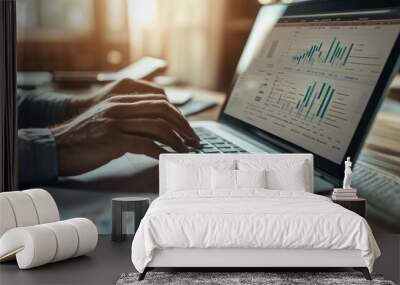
point(375, 181)
point(213, 143)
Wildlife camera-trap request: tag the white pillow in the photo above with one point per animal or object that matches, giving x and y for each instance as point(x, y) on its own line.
point(292, 179)
point(281, 175)
point(251, 178)
point(226, 179)
point(223, 179)
point(183, 177)
point(186, 174)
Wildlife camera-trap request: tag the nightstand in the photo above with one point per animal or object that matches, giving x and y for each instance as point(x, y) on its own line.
point(356, 205)
point(127, 212)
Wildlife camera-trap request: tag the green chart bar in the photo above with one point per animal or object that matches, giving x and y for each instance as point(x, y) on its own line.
point(327, 103)
point(337, 53)
point(330, 48)
point(348, 54)
point(309, 94)
point(316, 101)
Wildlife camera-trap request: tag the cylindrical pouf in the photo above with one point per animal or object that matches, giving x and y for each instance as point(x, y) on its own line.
point(23, 208)
point(67, 240)
point(37, 245)
point(45, 205)
point(7, 218)
point(33, 246)
point(87, 235)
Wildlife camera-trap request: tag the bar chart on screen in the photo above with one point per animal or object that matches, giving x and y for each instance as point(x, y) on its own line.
point(342, 52)
point(337, 54)
point(304, 102)
point(310, 83)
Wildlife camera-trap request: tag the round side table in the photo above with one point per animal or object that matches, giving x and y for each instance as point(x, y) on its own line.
point(127, 212)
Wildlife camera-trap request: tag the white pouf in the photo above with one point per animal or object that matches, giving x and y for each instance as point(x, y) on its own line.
point(23, 208)
point(7, 220)
point(37, 245)
point(30, 230)
point(46, 207)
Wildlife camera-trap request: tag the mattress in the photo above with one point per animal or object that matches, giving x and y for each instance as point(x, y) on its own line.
point(251, 219)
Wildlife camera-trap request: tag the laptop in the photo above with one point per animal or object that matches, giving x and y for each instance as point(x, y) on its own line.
point(308, 81)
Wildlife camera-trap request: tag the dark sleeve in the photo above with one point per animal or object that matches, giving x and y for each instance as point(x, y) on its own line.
point(37, 157)
point(41, 109)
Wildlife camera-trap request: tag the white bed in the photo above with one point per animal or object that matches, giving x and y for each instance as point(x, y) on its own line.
point(248, 227)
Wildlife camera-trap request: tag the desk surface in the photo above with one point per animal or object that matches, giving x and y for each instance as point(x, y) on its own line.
point(103, 266)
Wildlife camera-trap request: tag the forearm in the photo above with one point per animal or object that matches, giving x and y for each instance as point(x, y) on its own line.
point(44, 109)
point(37, 157)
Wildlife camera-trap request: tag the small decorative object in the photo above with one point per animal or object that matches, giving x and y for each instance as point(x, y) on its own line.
point(347, 174)
point(347, 192)
point(127, 212)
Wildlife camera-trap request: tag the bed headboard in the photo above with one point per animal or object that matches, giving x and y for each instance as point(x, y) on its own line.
point(202, 159)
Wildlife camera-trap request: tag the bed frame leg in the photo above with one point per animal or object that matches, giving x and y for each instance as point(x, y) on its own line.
point(364, 271)
point(143, 274)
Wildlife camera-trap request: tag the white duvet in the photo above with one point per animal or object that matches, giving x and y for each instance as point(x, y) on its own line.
point(250, 219)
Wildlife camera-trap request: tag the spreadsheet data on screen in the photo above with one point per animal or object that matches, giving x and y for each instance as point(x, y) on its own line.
point(311, 81)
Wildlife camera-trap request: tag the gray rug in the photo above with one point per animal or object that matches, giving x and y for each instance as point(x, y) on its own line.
point(269, 278)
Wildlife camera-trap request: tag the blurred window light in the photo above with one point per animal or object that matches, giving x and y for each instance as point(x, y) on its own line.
point(143, 11)
point(115, 15)
point(186, 33)
point(54, 18)
point(114, 57)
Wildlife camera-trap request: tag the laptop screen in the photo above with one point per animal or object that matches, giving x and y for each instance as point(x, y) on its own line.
point(310, 78)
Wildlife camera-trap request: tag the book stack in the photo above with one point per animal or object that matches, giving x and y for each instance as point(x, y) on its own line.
point(344, 194)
